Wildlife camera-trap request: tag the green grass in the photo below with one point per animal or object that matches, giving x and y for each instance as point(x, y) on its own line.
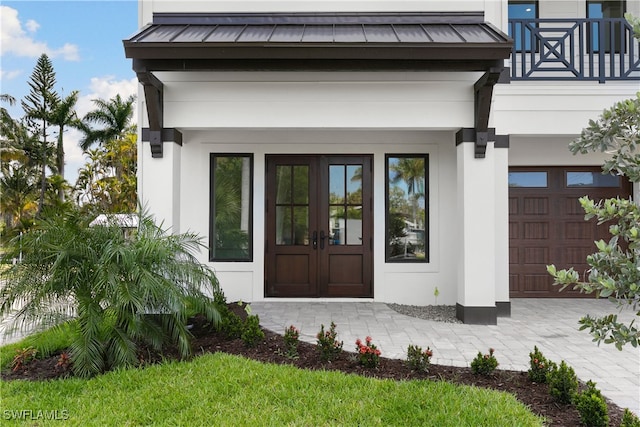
point(224, 390)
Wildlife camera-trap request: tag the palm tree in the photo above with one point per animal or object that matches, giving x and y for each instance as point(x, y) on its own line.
point(63, 115)
point(115, 117)
point(119, 290)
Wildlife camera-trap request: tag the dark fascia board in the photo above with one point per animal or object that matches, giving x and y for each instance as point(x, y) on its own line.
point(151, 65)
point(319, 18)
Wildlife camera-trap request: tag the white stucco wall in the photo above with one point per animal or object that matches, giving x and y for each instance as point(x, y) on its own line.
point(405, 283)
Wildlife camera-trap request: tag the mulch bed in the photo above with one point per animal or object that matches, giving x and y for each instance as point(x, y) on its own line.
point(271, 350)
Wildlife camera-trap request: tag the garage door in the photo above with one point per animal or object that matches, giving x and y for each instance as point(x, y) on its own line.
point(547, 226)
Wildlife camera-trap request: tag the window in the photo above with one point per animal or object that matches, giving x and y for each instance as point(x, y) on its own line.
point(231, 195)
point(517, 30)
point(603, 9)
point(407, 219)
point(592, 179)
point(528, 179)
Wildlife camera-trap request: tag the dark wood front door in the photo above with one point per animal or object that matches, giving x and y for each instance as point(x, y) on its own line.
point(547, 226)
point(319, 226)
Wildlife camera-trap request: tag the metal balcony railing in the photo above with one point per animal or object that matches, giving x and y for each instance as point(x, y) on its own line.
point(574, 49)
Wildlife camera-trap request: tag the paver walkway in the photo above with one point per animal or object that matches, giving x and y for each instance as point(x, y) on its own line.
point(551, 324)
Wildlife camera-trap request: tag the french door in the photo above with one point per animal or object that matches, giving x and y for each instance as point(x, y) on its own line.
point(319, 226)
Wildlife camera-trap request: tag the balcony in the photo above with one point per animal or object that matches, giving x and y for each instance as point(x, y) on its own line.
point(574, 49)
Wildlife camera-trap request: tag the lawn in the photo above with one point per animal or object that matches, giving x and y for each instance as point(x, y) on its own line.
point(220, 389)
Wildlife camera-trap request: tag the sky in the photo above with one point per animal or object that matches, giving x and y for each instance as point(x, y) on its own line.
point(83, 39)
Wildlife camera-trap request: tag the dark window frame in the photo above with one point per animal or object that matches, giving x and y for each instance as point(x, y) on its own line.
point(592, 33)
point(212, 207)
point(516, 48)
point(387, 249)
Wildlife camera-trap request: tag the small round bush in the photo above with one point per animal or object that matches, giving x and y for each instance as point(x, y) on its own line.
point(592, 407)
point(629, 419)
point(251, 332)
point(563, 382)
point(484, 364)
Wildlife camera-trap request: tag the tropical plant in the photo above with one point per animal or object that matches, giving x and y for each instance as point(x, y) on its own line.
point(113, 115)
point(63, 115)
point(122, 290)
point(107, 183)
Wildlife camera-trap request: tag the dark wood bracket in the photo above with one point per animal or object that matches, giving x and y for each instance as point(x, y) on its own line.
point(156, 138)
point(482, 93)
point(153, 95)
point(471, 135)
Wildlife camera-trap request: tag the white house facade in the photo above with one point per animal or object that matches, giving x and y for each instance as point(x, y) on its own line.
point(412, 152)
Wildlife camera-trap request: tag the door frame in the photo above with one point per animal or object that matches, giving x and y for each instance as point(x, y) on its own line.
point(323, 282)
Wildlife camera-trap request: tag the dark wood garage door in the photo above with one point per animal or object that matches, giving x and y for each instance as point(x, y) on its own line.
point(547, 226)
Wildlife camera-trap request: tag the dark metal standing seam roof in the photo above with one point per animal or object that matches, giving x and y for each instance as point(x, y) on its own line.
point(451, 41)
point(316, 41)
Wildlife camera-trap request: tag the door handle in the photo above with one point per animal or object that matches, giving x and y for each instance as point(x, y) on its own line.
point(322, 236)
point(314, 240)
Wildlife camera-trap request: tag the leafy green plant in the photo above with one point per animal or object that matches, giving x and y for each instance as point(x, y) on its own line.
point(538, 366)
point(291, 340)
point(121, 290)
point(629, 419)
point(251, 332)
point(22, 357)
point(592, 407)
point(327, 344)
point(64, 361)
point(367, 353)
point(484, 364)
point(563, 382)
point(417, 359)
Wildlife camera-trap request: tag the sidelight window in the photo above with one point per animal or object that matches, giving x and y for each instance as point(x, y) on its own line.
point(407, 219)
point(231, 193)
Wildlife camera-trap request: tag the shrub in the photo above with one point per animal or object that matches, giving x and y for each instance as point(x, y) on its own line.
point(291, 340)
point(64, 361)
point(251, 332)
point(327, 344)
point(484, 364)
point(417, 359)
point(368, 354)
point(538, 366)
point(592, 407)
point(122, 290)
point(22, 357)
point(629, 419)
point(563, 382)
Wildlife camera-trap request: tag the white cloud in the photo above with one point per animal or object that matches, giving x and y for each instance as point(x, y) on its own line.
point(16, 41)
point(32, 26)
point(9, 75)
